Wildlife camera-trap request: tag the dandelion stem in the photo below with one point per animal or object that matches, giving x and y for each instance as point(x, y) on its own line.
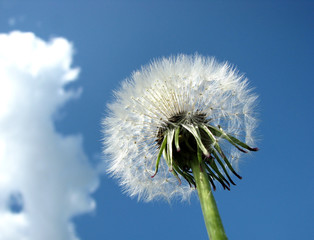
point(212, 219)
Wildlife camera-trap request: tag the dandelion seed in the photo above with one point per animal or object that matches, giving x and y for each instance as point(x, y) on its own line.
point(185, 102)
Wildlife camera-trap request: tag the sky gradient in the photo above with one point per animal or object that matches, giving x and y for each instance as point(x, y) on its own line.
point(102, 43)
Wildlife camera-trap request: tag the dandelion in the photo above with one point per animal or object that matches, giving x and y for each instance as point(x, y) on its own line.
point(180, 124)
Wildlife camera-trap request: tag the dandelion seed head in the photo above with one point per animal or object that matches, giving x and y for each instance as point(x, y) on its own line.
point(168, 93)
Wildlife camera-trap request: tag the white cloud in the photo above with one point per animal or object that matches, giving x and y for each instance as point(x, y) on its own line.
point(45, 177)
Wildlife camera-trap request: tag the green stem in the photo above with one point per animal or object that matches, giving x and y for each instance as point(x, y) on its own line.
point(210, 211)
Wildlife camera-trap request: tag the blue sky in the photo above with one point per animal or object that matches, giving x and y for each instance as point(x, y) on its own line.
point(270, 41)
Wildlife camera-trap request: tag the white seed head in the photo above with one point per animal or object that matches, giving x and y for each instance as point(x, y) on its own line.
point(159, 91)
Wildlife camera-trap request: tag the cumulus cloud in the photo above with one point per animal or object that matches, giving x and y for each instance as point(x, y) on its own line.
point(45, 177)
